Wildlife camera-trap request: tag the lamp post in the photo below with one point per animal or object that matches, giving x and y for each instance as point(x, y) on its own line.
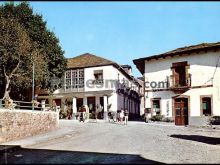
point(33, 88)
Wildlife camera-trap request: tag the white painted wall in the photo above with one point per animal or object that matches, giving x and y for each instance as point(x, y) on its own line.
point(202, 68)
point(114, 101)
point(108, 74)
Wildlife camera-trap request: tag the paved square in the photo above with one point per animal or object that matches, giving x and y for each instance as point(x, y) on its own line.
point(101, 142)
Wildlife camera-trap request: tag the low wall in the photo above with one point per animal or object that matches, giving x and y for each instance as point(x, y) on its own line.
point(199, 120)
point(15, 124)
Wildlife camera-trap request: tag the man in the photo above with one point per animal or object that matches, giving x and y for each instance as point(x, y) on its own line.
point(126, 116)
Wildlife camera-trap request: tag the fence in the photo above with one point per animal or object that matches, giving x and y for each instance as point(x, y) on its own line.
point(24, 105)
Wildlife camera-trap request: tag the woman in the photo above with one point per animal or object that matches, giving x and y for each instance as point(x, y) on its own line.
point(121, 115)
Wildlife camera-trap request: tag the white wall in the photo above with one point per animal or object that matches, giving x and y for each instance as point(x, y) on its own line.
point(166, 101)
point(202, 68)
point(109, 73)
point(114, 101)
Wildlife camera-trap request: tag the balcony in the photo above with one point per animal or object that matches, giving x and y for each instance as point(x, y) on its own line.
point(98, 81)
point(180, 85)
point(74, 88)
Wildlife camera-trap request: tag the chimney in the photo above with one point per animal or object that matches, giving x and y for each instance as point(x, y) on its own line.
point(127, 68)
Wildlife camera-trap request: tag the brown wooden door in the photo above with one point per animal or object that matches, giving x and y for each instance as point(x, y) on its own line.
point(181, 111)
point(58, 102)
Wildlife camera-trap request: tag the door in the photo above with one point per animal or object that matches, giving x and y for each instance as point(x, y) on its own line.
point(79, 103)
point(101, 114)
point(180, 76)
point(181, 111)
point(58, 102)
point(91, 104)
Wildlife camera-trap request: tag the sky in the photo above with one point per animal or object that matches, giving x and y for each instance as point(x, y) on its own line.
point(124, 31)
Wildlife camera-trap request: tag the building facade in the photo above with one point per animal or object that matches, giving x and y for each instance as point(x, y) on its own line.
point(98, 84)
point(183, 84)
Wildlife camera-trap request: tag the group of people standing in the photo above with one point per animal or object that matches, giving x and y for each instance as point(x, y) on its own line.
point(121, 116)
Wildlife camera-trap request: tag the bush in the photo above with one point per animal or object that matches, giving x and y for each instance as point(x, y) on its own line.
point(91, 115)
point(62, 114)
point(157, 118)
point(215, 120)
point(167, 119)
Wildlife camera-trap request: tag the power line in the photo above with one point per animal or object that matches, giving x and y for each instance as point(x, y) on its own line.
point(211, 79)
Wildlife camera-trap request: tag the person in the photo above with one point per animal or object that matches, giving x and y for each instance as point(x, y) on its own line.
point(121, 115)
point(54, 105)
point(147, 114)
point(82, 116)
point(69, 113)
point(35, 103)
point(118, 115)
point(126, 116)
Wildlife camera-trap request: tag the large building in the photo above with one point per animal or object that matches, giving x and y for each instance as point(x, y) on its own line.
point(98, 83)
point(183, 84)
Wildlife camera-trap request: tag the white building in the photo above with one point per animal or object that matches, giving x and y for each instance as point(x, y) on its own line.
point(183, 84)
point(97, 82)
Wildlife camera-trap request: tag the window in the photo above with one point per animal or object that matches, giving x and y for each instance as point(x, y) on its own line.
point(81, 78)
point(98, 74)
point(68, 79)
point(156, 106)
point(74, 78)
point(206, 106)
point(180, 76)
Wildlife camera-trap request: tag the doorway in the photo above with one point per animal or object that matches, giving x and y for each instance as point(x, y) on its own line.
point(181, 110)
point(79, 103)
point(91, 104)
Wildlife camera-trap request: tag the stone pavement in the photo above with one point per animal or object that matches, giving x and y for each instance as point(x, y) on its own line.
point(104, 142)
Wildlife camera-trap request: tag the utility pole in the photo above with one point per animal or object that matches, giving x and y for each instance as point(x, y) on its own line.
point(33, 88)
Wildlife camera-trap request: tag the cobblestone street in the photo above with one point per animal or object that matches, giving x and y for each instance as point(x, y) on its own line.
point(101, 142)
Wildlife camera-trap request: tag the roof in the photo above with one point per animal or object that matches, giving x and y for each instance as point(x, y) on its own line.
point(180, 51)
point(126, 66)
point(87, 60)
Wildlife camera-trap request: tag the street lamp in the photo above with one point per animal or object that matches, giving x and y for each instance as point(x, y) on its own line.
point(33, 88)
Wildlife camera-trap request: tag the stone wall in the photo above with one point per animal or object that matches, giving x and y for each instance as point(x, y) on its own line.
point(15, 124)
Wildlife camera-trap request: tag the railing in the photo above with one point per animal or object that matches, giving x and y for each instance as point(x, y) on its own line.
point(98, 81)
point(23, 105)
point(186, 83)
point(73, 88)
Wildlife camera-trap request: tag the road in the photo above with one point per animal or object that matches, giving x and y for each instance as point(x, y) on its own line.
point(137, 142)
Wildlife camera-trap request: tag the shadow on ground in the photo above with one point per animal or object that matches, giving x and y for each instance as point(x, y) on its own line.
point(44, 156)
point(199, 138)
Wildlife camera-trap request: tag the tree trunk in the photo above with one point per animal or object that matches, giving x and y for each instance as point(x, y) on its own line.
point(8, 79)
point(7, 90)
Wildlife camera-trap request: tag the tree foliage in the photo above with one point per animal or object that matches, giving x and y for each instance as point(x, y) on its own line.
point(17, 55)
point(43, 42)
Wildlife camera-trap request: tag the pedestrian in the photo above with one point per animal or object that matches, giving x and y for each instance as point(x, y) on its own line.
point(147, 114)
point(126, 116)
point(121, 115)
point(118, 115)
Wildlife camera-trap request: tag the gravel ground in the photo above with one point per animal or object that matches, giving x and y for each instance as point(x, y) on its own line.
point(137, 142)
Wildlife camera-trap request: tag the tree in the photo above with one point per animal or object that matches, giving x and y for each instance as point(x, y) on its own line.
point(17, 54)
point(43, 39)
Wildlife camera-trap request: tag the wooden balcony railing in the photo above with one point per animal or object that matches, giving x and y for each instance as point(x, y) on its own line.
point(184, 84)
